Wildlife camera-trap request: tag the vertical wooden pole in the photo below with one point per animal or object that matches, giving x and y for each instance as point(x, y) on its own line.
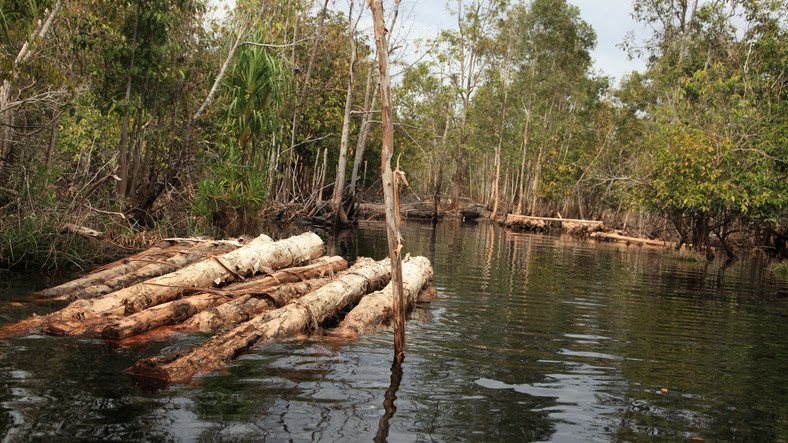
point(389, 185)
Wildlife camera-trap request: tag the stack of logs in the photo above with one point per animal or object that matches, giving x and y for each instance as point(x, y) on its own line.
point(247, 294)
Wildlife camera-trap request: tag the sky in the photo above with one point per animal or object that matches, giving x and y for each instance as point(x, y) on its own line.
point(611, 19)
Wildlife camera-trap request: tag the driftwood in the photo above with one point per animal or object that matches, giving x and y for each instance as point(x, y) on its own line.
point(178, 311)
point(377, 307)
point(572, 226)
point(154, 268)
point(70, 228)
point(609, 236)
point(304, 314)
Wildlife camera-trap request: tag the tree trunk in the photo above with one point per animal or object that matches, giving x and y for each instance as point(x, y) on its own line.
point(498, 154)
point(340, 218)
point(305, 314)
point(178, 311)
point(244, 308)
point(123, 156)
point(390, 186)
point(376, 307)
point(288, 176)
point(6, 109)
point(114, 269)
point(363, 132)
point(258, 255)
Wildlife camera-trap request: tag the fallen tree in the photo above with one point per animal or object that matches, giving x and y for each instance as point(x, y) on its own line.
point(178, 311)
point(377, 307)
point(301, 315)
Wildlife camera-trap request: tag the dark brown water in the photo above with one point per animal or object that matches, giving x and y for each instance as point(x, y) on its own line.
point(531, 338)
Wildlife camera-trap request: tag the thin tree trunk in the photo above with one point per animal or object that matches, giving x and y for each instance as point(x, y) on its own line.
point(388, 179)
point(499, 146)
point(300, 107)
point(24, 54)
point(535, 182)
point(340, 218)
point(363, 133)
point(123, 157)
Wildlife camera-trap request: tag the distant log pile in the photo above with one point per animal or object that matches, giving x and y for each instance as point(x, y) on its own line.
point(257, 291)
point(546, 224)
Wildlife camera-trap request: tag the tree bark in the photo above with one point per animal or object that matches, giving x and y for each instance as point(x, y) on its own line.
point(180, 259)
point(340, 218)
point(113, 270)
point(305, 314)
point(258, 255)
point(288, 176)
point(389, 185)
point(376, 307)
point(245, 307)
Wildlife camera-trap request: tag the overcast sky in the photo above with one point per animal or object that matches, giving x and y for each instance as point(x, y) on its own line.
point(610, 19)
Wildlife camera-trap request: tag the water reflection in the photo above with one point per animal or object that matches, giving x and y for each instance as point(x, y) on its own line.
point(530, 338)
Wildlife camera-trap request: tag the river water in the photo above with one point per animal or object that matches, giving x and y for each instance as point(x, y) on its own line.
point(530, 338)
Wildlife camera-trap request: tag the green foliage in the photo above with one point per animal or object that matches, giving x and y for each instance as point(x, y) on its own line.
point(231, 193)
point(686, 256)
point(780, 269)
point(256, 86)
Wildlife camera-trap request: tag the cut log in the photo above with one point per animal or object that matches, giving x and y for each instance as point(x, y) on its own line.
point(512, 218)
point(112, 270)
point(304, 314)
point(181, 258)
point(258, 255)
point(178, 311)
point(243, 308)
point(247, 306)
point(377, 307)
point(609, 236)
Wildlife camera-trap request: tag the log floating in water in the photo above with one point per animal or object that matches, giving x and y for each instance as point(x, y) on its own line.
point(377, 307)
point(178, 311)
point(309, 311)
point(541, 222)
point(609, 236)
point(112, 270)
point(180, 259)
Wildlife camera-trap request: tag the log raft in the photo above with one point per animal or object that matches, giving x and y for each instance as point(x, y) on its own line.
point(254, 292)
